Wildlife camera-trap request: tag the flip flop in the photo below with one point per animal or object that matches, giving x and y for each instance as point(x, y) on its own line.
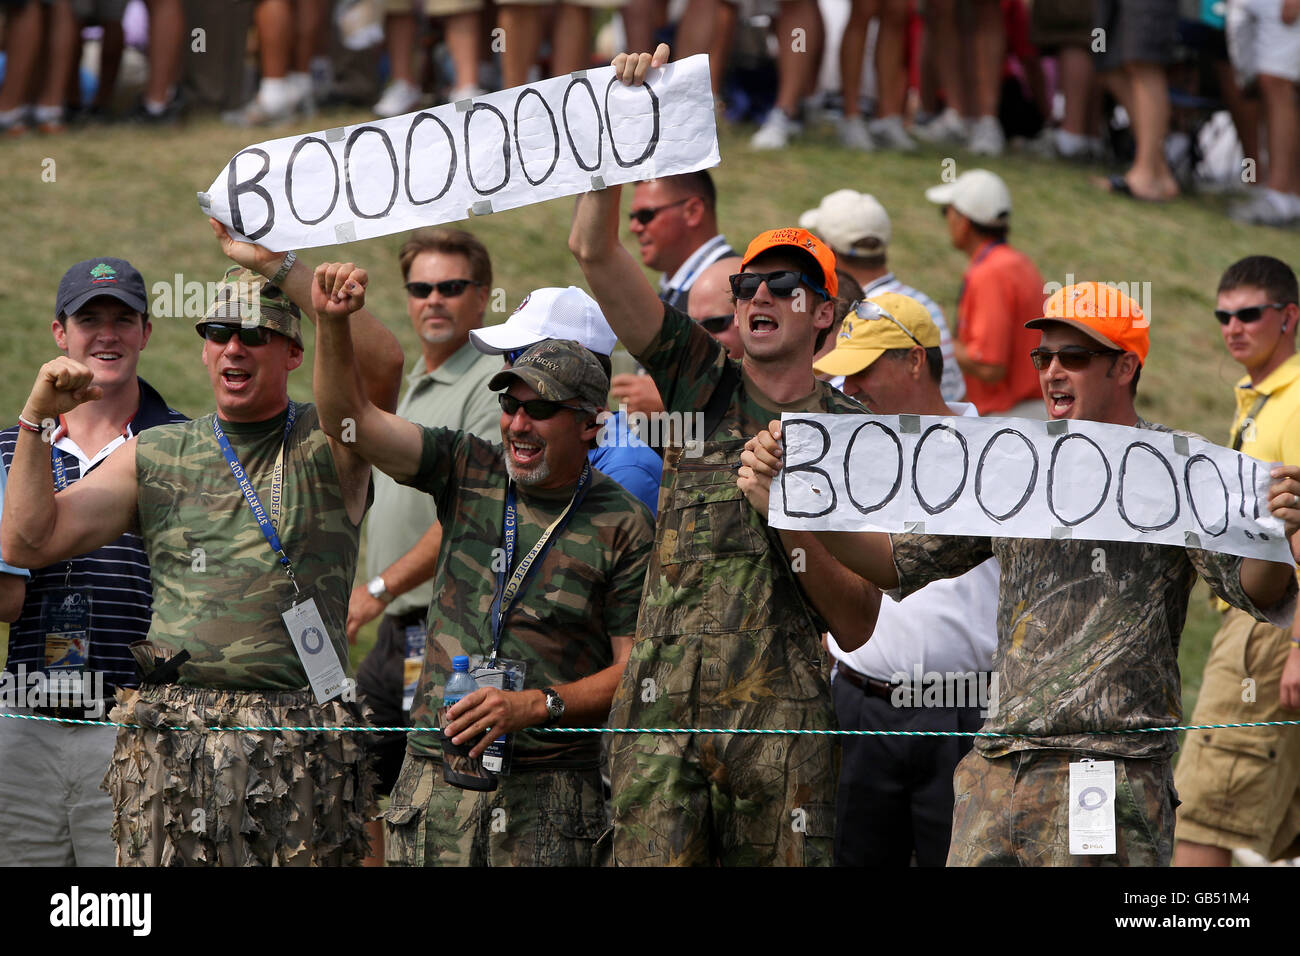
point(1117, 185)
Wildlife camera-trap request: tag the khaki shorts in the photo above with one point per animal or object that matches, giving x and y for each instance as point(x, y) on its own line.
point(237, 798)
point(1241, 786)
point(434, 8)
point(533, 818)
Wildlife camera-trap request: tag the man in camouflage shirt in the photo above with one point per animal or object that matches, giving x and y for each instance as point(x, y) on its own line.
point(218, 652)
point(560, 596)
point(731, 618)
point(1087, 630)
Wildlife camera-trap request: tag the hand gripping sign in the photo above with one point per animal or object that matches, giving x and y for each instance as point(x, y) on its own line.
point(558, 137)
point(1008, 477)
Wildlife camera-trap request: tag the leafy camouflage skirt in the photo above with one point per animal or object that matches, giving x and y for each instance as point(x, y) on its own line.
point(237, 797)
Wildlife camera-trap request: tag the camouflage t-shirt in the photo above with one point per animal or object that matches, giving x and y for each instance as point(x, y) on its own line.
point(1088, 633)
point(585, 590)
point(717, 569)
point(216, 583)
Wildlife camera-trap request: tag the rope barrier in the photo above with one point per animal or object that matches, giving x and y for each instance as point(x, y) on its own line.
point(688, 730)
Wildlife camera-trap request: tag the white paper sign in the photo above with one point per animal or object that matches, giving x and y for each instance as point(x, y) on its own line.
point(1018, 478)
point(558, 137)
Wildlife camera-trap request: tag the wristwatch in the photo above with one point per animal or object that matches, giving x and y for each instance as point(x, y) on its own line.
point(378, 589)
point(554, 705)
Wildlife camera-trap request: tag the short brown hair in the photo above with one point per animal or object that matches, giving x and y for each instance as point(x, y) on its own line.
point(455, 242)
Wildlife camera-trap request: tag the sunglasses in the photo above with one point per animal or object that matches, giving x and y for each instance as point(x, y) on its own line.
point(646, 216)
point(1073, 358)
point(717, 324)
point(221, 334)
point(744, 285)
point(1248, 314)
point(870, 312)
point(448, 288)
point(538, 409)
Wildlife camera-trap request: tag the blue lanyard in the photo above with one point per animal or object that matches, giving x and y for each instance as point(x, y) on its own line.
point(508, 592)
point(250, 494)
point(60, 473)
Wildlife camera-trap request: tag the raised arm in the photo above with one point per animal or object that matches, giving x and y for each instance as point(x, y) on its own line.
point(378, 352)
point(38, 527)
point(347, 414)
point(627, 299)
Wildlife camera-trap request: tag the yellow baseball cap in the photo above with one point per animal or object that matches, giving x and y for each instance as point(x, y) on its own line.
point(875, 325)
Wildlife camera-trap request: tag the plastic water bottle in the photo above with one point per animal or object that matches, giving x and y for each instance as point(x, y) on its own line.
point(458, 768)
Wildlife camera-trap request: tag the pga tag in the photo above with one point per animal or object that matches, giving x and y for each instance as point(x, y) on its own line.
point(1092, 807)
point(315, 649)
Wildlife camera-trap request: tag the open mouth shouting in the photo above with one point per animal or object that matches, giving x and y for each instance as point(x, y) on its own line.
point(1059, 402)
point(235, 379)
point(761, 324)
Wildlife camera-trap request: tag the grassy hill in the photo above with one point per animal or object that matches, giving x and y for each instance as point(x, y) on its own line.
point(129, 192)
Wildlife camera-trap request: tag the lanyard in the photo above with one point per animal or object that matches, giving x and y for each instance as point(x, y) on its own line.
point(60, 473)
point(507, 592)
point(267, 524)
point(707, 257)
point(1250, 417)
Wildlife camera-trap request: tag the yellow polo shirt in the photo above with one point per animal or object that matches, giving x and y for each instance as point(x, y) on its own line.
point(1276, 432)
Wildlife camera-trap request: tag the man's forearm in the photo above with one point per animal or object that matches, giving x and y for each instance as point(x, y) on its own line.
point(378, 353)
point(848, 603)
point(982, 371)
point(869, 554)
point(417, 565)
point(29, 511)
point(629, 303)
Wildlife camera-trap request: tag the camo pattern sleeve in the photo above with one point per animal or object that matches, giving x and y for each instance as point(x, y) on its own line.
point(217, 586)
point(585, 590)
point(685, 361)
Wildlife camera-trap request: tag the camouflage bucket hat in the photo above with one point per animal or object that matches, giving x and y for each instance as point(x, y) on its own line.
point(247, 299)
point(557, 370)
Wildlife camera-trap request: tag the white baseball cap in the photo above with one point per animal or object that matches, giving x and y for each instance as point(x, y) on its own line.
point(851, 223)
point(550, 313)
point(979, 195)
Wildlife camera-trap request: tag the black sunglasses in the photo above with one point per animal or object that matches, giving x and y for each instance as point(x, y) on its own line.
point(1073, 358)
point(1247, 314)
point(448, 288)
point(221, 334)
point(647, 215)
point(717, 324)
point(538, 409)
point(744, 285)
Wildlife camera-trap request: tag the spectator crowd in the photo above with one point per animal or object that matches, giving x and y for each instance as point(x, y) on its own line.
point(184, 574)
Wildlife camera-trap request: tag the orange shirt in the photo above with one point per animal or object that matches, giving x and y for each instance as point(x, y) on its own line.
point(1002, 290)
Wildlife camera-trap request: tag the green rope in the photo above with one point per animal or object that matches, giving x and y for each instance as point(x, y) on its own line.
point(694, 730)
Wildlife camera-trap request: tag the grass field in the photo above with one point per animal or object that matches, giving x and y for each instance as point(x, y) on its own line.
point(131, 193)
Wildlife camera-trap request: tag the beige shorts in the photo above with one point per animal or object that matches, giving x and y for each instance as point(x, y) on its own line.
point(434, 8)
point(1240, 786)
point(593, 4)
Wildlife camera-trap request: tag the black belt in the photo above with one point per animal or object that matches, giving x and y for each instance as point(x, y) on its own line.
point(868, 685)
point(96, 710)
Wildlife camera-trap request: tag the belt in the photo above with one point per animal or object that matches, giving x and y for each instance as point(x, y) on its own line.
point(868, 685)
point(96, 710)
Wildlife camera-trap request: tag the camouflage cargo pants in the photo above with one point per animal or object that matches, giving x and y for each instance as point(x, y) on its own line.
point(237, 798)
point(533, 818)
point(734, 799)
point(1015, 811)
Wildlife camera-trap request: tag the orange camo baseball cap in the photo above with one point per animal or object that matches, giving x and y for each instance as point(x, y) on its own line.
point(1101, 312)
point(796, 239)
